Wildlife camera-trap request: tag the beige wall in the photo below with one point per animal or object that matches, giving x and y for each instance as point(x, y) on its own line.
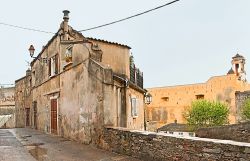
point(88, 96)
point(138, 121)
point(115, 56)
point(165, 110)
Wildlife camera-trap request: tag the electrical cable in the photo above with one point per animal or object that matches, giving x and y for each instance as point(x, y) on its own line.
point(92, 28)
point(26, 28)
point(110, 23)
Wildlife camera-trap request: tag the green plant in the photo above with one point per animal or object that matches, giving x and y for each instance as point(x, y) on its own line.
point(203, 113)
point(246, 109)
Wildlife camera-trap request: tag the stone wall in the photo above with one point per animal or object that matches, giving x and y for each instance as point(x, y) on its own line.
point(240, 97)
point(237, 132)
point(152, 146)
point(23, 100)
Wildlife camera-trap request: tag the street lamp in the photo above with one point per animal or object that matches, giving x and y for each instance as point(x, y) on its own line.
point(148, 98)
point(32, 51)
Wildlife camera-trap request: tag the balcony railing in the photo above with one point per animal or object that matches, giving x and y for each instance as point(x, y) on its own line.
point(136, 76)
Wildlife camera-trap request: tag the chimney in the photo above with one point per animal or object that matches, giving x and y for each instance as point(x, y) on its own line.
point(65, 24)
point(28, 72)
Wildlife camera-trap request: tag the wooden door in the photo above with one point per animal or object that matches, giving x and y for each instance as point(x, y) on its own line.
point(53, 117)
point(35, 114)
point(27, 116)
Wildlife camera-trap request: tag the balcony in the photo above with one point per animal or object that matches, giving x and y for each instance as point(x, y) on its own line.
point(136, 76)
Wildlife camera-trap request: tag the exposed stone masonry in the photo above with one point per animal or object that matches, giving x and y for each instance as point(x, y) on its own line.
point(240, 97)
point(237, 132)
point(158, 147)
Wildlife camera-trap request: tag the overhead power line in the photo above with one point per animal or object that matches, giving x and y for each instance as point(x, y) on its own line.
point(92, 28)
point(139, 14)
point(26, 28)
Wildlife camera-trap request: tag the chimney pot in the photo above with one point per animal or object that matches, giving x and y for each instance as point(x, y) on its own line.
point(66, 14)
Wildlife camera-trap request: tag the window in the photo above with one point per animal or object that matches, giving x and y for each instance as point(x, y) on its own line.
point(165, 99)
point(134, 107)
point(237, 66)
point(53, 65)
point(199, 96)
point(68, 54)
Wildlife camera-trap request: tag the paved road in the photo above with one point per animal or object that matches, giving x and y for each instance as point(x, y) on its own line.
point(24, 144)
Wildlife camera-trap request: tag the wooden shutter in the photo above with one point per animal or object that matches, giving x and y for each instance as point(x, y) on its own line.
point(49, 66)
point(56, 64)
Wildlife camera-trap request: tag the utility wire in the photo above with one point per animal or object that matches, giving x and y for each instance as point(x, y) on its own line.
point(92, 28)
point(107, 24)
point(26, 28)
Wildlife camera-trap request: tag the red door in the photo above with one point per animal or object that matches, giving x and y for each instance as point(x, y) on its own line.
point(54, 116)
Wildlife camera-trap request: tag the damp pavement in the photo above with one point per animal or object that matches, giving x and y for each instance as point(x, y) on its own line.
point(24, 144)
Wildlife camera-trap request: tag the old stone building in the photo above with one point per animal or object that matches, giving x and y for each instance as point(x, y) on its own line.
point(23, 100)
point(78, 85)
point(169, 103)
point(7, 107)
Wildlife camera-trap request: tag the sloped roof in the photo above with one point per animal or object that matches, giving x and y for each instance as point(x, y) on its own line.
point(109, 42)
point(89, 38)
point(175, 127)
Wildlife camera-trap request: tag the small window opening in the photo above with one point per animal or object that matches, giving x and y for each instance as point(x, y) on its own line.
point(165, 99)
point(200, 96)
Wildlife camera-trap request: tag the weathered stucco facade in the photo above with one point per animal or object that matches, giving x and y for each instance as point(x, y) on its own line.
point(169, 103)
point(23, 100)
point(81, 84)
point(7, 107)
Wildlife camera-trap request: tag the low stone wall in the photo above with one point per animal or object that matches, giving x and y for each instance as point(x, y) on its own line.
point(150, 146)
point(237, 132)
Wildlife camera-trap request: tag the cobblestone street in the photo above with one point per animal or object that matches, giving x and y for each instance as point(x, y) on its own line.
point(24, 144)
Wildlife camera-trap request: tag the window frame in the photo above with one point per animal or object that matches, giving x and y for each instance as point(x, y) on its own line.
point(53, 65)
point(134, 107)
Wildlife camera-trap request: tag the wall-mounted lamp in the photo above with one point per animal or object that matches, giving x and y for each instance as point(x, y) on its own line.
point(148, 98)
point(32, 51)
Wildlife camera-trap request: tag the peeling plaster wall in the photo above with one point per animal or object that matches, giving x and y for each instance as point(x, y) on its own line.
point(23, 100)
point(42, 95)
point(117, 57)
point(79, 104)
point(86, 93)
point(169, 103)
point(138, 121)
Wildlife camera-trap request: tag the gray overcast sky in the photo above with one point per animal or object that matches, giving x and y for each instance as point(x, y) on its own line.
point(184, 43)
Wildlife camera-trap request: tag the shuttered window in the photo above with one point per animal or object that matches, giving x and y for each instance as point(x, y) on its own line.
point(134, 107)
point(53, 65)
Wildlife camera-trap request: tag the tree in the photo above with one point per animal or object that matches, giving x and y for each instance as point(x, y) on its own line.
point(205, 113)
point(246, 109)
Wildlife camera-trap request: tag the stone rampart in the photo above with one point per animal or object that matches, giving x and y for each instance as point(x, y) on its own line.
point(151, 146)
point(237, 132)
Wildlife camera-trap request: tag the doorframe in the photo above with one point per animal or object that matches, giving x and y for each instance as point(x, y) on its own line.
point(27, 109)
point(51, 98)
